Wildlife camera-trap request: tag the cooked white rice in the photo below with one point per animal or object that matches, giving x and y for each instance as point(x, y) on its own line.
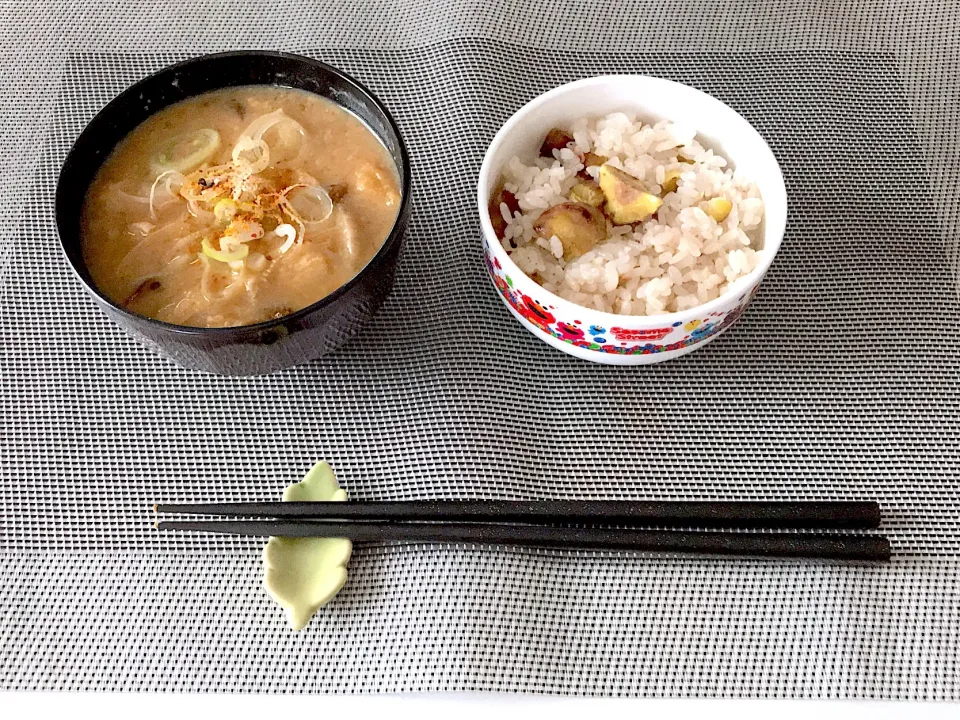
point(678, 259)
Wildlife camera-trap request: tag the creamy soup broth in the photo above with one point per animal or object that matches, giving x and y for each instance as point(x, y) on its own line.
point(237, 207)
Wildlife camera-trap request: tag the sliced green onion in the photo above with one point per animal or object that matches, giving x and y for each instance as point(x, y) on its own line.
point(289, 233)
point(312, 204)
point(239, 253)
point(188, 151)
point(225, 210)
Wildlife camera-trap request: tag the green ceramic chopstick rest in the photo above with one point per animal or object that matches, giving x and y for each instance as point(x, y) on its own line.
point(303, 574)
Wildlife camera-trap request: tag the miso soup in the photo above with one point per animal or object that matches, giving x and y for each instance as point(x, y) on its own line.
point(238, 206)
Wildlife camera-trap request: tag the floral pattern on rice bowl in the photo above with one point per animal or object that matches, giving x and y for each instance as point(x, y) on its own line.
point(615, 339)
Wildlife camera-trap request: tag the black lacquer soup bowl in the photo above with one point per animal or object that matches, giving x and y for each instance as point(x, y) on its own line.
point(270, 346)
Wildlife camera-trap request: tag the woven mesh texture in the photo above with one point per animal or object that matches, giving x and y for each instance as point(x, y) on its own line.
point(840, 381)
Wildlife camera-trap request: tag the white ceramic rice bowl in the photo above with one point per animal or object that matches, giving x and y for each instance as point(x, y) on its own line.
point(629, 339)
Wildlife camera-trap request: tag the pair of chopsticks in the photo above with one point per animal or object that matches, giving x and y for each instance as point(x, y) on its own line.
point(545, 523)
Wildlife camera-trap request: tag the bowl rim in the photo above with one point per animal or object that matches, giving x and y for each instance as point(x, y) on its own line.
point(392, 238)
point(738, 288)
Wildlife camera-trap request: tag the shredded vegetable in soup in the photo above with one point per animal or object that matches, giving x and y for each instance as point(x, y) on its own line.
point(237, 207)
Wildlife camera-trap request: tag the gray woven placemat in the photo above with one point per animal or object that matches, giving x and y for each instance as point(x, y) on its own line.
point(840, 381)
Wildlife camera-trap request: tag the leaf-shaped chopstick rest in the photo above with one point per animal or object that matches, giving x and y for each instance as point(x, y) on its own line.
point(303, 574)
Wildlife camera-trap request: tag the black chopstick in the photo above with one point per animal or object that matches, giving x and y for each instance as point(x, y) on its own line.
point(826, 515)
point(785, 545)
